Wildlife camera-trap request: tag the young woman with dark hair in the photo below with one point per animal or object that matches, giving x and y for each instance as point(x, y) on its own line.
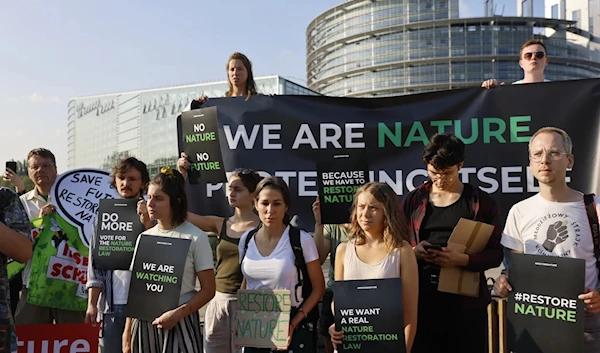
point(378, 248)
point(268, 262)
point(177, 330)
point(219, 318)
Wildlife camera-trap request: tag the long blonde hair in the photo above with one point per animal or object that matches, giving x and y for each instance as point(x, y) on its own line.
point(395, 230)
point(250, 84)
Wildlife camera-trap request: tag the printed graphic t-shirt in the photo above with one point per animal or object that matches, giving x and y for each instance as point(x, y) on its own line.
point(541, 227)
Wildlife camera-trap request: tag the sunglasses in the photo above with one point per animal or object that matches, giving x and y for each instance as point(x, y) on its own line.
point(242, 171)
point(538, 55)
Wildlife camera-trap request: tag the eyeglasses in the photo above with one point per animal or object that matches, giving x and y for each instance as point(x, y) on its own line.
point(42, 166)
point(537, 156)
point(439, 176)
point(538, 55)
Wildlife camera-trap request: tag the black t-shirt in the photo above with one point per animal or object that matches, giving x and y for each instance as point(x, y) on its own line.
point(439, 222)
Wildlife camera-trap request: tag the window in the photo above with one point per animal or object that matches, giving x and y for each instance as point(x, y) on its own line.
point(576, 15)
point(555, 11)
point(591, 25)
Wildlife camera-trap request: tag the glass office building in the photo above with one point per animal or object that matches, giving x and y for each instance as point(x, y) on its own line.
point(102, 129)
point(365, 48)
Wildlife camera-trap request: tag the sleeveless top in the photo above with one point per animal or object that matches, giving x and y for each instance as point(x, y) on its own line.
point(355, 268)
point(229, 277)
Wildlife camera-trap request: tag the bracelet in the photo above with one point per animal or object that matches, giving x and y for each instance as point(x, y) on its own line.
point(302, 311)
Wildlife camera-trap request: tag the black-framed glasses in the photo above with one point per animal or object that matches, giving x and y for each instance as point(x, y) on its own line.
point(538, 55)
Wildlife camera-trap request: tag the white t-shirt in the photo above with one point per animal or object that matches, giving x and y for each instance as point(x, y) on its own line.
point(521, 82)
point(541, 227)
point(120, 286)
point(276, 271)
point(199, 257)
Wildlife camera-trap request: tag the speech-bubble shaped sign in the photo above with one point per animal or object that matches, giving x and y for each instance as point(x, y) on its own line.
point(76, 195)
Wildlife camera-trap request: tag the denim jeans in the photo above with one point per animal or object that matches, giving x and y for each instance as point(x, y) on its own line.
point(113, 325)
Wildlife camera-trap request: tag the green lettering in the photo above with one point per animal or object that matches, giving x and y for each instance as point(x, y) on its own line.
point(515, 129)
point(561, 314)
point(519, 308)
point(529, 310)
point(441, 125)
point(383, 131)
point(488, 133)
point(417, 127)
point(571, 316)
point(474, 131)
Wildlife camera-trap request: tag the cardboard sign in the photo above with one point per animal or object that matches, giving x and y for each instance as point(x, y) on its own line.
point(116, 233)
point(543, 311)
point(339, 175)
point(199, 139)
point(375, 323)
point(468, 237)
point(263, 318)
point(156, 276)
point(58, 338)
point(76, 194)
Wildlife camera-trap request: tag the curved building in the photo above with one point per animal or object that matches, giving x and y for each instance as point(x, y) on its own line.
point(367, 48)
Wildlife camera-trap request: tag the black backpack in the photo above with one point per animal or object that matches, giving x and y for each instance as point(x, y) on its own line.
point(312, 317)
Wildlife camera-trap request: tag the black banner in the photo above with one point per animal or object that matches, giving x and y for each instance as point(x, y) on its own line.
point(199, 139)
point(156, 276)
point(544, 314)
point(339, 175)
point(116, 233)
point(284, 135)
point(373, 323)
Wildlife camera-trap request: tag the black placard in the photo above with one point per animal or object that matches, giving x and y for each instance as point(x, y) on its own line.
point(373, 323)
point(339, 175)
point(156, 277)
point(116, 233)
point(199, 139)
point(543, 312)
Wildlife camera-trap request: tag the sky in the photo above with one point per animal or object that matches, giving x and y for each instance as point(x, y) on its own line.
point(53, 51)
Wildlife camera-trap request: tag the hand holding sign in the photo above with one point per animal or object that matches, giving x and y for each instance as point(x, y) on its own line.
point(47, 210)
point(168, 320)
point(591, 298)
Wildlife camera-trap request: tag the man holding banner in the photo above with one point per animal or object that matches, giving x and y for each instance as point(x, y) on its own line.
point(130, 177)
point(555, 222)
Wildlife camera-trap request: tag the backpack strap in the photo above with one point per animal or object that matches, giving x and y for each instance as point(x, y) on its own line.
point(248, 238)
point(304, 281)
point(590, 207)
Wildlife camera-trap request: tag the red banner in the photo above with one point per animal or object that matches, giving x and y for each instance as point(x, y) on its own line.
point(60, 338)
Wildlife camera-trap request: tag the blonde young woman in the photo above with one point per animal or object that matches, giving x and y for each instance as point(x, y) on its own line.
point(378, 248)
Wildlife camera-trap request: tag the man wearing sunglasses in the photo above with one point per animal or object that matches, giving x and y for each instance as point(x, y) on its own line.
point(533, 59)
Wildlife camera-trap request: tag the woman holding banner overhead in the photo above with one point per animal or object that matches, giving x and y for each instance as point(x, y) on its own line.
point(378, 248)
point(239, 78)
point(176, 330)
point(270, 262)
point(219, 318)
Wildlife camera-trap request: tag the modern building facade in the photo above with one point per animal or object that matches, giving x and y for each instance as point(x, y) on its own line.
point(105, 128)
point(365, 48)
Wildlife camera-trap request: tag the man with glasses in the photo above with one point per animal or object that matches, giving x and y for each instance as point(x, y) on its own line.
point(449, 322)
point(533, 59)
point(529, 230)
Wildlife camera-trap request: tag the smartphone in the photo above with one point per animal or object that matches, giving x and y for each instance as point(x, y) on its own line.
point(432, 247)
point(12, 165)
